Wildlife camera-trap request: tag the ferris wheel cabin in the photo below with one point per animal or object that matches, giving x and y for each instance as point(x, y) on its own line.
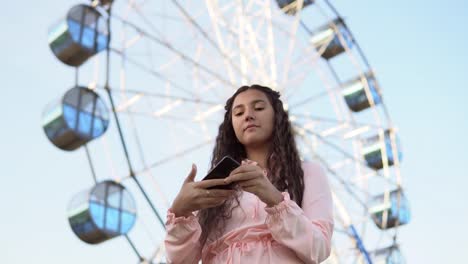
point(81, 35)
point(101, 213)
point(362, 93)
point(79, 117)
point(332, 39)
point(382, 149)
point(291, 7)
point(390, 209)
point(103, 2)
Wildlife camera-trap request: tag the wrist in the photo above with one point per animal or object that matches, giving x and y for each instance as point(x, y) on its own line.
point(179, 211)
point(275, 199)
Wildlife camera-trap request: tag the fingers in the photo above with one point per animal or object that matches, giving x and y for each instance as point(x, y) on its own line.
point(217, 193)
point(244, 168)
point(192, 174)
point(242, 176)
point(247, 161)
point(209, 183)
point(247, 183)
point(213, 197)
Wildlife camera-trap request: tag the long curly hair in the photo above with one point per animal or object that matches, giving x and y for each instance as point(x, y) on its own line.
point(283, 161)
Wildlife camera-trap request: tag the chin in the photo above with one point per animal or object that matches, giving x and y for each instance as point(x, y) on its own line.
point(253, 141)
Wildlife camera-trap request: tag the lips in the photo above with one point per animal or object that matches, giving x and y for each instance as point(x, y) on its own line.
point(249, 126)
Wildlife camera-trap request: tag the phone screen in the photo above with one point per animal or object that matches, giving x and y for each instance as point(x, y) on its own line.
point(221, 170)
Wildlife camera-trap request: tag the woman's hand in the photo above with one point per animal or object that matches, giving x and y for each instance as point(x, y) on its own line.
point(194, 196)
point(252, 178)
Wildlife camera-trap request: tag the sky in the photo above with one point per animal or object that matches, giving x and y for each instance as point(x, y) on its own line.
point(418, 49)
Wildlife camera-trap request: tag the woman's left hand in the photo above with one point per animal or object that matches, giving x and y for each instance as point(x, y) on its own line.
point(252, 178)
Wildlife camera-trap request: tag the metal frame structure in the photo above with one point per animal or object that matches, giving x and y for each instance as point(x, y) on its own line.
point(170, 67)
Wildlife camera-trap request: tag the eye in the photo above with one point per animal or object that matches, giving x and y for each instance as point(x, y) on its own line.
point(259, 108)
point(238, 114)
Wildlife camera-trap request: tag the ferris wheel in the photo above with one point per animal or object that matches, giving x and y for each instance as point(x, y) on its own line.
point(151, 81)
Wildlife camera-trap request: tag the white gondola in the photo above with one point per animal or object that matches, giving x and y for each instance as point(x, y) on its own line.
point(291, 7)
point(332, 39)
point(362, 93)
point(79, 117)
point(390, 209)
point(382, 149)
point(81, 35)
point(105, 211)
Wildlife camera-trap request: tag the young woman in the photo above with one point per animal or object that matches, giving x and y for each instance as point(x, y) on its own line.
point(281, 208)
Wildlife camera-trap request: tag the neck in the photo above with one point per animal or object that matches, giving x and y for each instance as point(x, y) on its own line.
point(258, 154)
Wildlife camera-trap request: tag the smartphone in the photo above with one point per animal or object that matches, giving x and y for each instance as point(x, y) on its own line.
point(222, 170)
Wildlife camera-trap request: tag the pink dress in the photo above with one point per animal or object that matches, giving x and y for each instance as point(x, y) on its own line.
point(285, 233)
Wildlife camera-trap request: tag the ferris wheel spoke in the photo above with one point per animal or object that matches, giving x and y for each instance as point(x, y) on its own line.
point(172, 157)
point(137, 8)
point(169, 47)
point(330, 89)
point(206, 36)
point(152, 72)
point(292, 31)
point(310, 99)
point(341, 129)
point(140, 94)
point(143, 160)
point(271, 46)
point(326, 119)
point(168, 96)
point(162, 110)
point(299, 55)
point(168, 117)
point(240, 37)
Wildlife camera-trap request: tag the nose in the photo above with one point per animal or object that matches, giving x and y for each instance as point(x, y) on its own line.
point(249, 115)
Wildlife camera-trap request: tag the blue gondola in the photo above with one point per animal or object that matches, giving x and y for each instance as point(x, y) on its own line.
point(374, 147)
point(290, 6)
point(327, 39)
point(80, 36)
point(391, 212)
point(354, 93)
point(79, 117)
point(102, 213)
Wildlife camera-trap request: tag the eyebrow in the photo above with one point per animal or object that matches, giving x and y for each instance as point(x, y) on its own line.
point(252, 103)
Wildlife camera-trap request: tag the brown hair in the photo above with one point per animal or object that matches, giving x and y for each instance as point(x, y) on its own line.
point(283, 162)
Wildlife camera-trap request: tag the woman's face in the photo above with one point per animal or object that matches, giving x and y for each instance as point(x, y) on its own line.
point(252, 118)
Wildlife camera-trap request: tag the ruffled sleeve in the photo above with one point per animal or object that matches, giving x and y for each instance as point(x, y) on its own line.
point(307, 230)
point(182, 239)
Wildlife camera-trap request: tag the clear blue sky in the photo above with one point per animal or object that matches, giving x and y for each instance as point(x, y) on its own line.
point(418, 49)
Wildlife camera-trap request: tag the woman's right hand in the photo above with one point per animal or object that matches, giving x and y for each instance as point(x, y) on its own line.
point(195, 196)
